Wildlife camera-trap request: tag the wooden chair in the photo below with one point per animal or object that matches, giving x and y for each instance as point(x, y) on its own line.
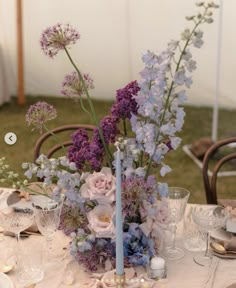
point(57, 130)
point(210, 181)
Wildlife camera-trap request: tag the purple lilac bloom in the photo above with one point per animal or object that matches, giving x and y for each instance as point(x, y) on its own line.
point(72, 85)
point(82, 151)
point(125, 104)
point(58, 37)
point(110, 130)
point(39, 113)
point(79, 151)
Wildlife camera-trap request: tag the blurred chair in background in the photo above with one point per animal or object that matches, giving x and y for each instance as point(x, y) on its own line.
point(210, 179)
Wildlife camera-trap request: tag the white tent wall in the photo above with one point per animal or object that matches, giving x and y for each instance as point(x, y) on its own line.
point(113, 36)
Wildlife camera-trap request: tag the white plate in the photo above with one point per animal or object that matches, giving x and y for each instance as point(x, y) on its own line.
point(5, 281)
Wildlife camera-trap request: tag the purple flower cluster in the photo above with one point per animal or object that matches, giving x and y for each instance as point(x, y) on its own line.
point(125, 104)
point(100, 251)
point(57, 37)
point(135, 190)
point(71, 218)
point(93, 152)
point(79, 151)
point(72, 85)
point(39, 113)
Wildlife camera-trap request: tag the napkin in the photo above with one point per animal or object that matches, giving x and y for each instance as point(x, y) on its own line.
point(232, 286)
point(231, 244)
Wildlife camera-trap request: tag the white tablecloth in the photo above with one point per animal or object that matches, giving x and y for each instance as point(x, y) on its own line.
point(182, 273)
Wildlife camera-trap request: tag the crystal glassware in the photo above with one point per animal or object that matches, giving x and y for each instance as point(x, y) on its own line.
point(208, 219)
point(16, 220)
point(47, 216)
point(177, 199)
point(193, 238)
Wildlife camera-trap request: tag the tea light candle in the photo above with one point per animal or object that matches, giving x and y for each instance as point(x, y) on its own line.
point(157, 263)
point(157, 268)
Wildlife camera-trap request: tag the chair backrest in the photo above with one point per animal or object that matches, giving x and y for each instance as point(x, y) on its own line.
point(61, 129)
point(210, 180)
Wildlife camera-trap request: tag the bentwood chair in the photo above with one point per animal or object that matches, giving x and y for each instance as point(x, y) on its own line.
point(210, 179)
point(56, 147)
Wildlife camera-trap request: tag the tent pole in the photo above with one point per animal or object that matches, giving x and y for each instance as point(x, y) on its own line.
point(20, 60)
point(214, 135)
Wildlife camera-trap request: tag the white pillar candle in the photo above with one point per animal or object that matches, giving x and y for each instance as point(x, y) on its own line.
point(119, 220)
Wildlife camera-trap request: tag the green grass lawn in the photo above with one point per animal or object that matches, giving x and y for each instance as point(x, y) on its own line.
point(185, 172)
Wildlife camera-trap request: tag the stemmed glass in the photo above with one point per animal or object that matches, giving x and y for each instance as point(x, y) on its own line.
point(177, 199)
point(208, 219)
point(16, 220)
point(47, 217)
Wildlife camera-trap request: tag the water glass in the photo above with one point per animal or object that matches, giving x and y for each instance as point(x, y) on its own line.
point(193, 238)
point(48, 218)
point(177, 199)
point(31, 264)
point(208, 219)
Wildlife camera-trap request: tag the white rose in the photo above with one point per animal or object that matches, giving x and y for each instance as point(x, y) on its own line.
point(100, 186)
point(100, 221)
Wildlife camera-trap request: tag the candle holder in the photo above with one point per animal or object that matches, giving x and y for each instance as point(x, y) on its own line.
point(119, 280)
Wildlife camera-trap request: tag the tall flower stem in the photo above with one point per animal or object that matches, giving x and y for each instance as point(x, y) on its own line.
point(56, 138)
point(171, 88)
point(108, 153)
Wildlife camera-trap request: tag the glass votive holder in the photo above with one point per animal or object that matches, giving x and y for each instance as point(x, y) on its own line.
point(156, 268)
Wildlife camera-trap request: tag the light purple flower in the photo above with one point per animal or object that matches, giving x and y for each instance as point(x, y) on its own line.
point(72, 85)
point(58, 37)
point(39, 113)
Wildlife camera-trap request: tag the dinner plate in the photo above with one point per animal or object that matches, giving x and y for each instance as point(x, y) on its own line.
point(5, 281)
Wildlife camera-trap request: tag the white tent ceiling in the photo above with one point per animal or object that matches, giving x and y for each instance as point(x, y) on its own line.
point(113, 36)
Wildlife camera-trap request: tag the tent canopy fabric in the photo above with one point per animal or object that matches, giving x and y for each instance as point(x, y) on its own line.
point(114, 34)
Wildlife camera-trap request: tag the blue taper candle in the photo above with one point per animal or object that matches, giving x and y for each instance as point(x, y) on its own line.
point(119, 219)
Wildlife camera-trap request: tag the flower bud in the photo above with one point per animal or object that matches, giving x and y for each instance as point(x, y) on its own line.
point(189, 18)
point(25, 182)
point(199, 4)
point(209, 20)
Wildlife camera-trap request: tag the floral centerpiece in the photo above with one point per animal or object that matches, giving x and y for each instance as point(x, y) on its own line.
point(152, 107)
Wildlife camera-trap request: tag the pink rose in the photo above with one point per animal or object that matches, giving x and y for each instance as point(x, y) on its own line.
point(100, 221)
point(100, 186)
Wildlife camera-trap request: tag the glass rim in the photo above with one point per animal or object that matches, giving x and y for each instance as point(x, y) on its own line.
point(181, 190)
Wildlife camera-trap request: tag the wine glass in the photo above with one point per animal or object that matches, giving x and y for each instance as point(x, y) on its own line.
point(47, 215)
point(208, 219)
point(16, 220)
point(177, 199)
